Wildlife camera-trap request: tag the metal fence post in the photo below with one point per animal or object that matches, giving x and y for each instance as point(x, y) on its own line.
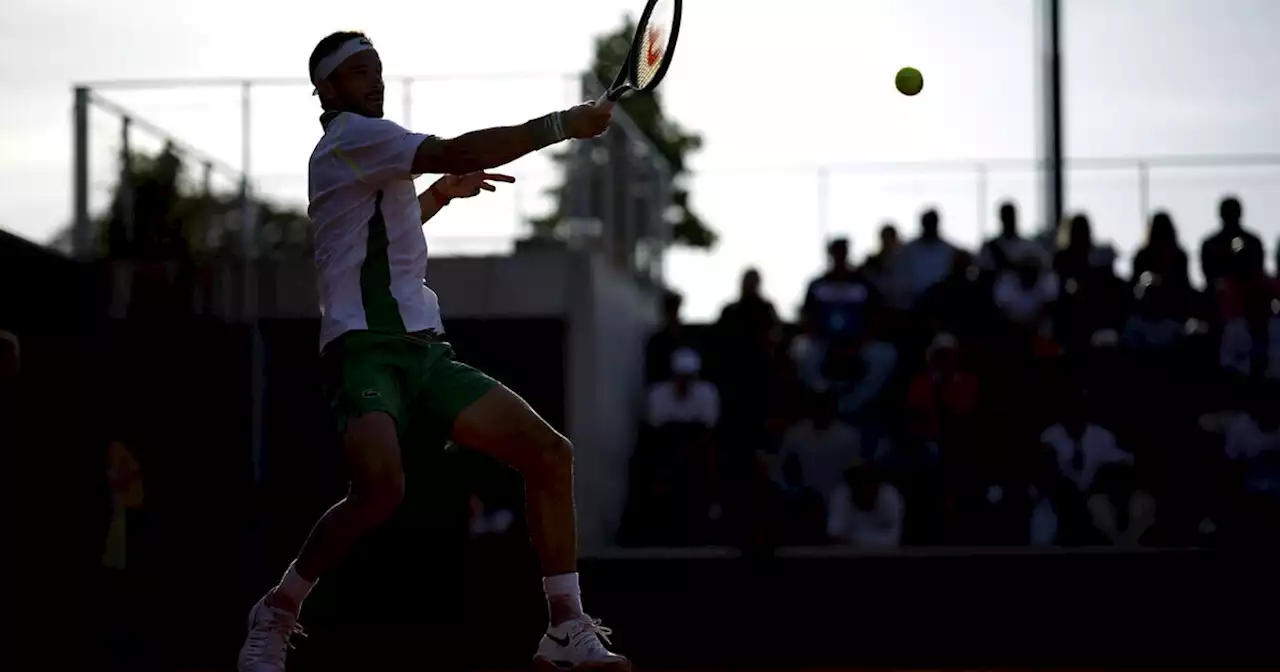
point(983, 201)
point(1144, 190)
point(824, 226)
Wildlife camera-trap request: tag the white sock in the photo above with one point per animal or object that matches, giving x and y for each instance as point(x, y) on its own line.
point(563, 589)
point(293, 587)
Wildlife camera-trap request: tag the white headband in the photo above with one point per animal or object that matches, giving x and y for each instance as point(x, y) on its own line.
point(329, 63)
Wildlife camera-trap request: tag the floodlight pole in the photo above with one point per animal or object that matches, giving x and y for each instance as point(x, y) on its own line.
point(81, 231)
point(1055, 192)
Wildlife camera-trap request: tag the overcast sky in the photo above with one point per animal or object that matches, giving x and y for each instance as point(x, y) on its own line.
point(777, 90)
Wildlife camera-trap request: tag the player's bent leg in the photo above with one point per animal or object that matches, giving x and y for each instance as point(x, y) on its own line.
point(372, 452)
point(504, 426)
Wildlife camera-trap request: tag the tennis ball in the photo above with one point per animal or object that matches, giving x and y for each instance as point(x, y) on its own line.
point(909, 81)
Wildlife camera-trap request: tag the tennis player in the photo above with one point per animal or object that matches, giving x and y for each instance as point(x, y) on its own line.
point(388, 370)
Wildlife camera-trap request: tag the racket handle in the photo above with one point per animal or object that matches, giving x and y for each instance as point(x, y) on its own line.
point(614, 95)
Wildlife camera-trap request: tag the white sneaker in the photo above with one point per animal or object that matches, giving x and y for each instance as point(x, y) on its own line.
point(267, 644)
point(578, 645)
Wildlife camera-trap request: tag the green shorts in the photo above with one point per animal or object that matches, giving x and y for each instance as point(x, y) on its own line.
point(413, 377)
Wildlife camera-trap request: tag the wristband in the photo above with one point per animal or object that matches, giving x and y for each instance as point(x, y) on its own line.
point(549, 130)
point(440, 199)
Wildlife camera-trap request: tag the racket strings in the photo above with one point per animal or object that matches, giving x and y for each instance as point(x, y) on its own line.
point(653, 43)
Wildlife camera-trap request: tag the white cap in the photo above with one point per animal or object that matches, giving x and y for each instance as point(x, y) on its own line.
point(943, 341)
point(685, 362)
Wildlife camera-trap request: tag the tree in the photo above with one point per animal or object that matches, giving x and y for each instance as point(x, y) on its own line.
point(671, 140)
point(169, 218)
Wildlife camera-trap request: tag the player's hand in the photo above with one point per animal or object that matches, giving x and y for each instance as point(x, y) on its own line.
point(588, 120)
point(471, 184)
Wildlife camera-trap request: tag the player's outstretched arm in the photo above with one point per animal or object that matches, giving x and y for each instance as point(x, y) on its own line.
point(493, 147)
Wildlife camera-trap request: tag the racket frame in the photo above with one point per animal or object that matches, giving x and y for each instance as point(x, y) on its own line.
point(629, 73)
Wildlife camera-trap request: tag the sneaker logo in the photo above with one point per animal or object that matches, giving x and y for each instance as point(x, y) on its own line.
point(370, 394)
point(560, 641)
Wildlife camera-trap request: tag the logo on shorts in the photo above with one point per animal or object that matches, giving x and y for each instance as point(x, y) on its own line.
point(370, 394)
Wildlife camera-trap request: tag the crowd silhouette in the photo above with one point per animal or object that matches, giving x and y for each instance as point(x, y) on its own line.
point(1021, 394)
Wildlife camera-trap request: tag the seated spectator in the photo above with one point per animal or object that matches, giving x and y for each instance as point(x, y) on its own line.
point(803, 507)
point(1121, 511)
point(866, 511)
point(855, 371)
point(671, 336)
point(682, 414)
point(1081, 446)
point(1155, 327)
point(819, 448)
point(942, 400)
point(1251, 342)
point(1025, 292)
point(961, 302)
point(928, 259)
point(840, 304)
point(1048, 492)
point(1001, 254)
point(1253, 445)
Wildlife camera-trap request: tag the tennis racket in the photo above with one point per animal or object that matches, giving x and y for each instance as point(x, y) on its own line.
point(651, 49)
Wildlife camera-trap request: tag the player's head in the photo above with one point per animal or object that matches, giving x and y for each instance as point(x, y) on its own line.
point(347, 74)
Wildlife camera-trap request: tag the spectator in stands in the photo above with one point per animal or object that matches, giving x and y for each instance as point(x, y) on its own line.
point(1252, 444)
point(749, 327)
point(802, 507)
point(942, 400)
point(1110, 296)
point(961, 302)
point(1251, 342)
point(856, 370)
point(887, 271)
point(1048, 490)
point(1161, 260)
point(820, 447)
point(1155, 327)
point(671, 336)
point(1081, 446)
point(840, 304)
point(866, 511)
point(1025, 291)
point(1092, 296)
point(929, 258)
point(747, 336)
point(1232, 253)
point(1001, 253)
point(1075, 247)
point(682, 414)
point(1121, 510)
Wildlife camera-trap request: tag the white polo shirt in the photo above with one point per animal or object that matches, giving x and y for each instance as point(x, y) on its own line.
point(370, 252)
